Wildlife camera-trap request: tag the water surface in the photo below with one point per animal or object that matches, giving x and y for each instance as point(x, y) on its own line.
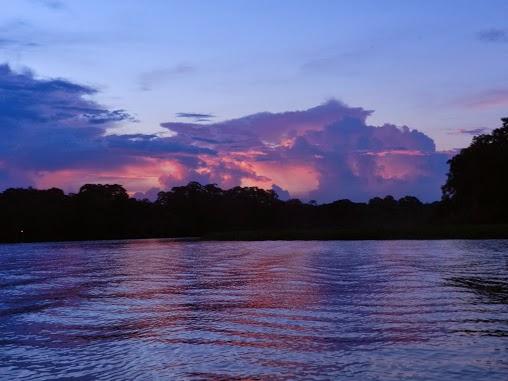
point(170, 310)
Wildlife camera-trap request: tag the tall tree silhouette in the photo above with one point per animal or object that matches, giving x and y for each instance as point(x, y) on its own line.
point(477, 186)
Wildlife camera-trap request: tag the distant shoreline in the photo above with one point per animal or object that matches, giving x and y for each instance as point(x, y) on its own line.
point(472, 232)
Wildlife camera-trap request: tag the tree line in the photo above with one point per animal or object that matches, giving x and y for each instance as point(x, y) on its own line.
point(474, 193)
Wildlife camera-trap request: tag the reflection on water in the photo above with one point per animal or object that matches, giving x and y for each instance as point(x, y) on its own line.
point(161, 309)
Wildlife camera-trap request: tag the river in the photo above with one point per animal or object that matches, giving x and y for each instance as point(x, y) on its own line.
point(183, 310)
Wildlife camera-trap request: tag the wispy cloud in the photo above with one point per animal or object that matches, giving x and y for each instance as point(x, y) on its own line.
point(16, 34)
point(472, 131)
point(346, 63)
point(51, 4)
point(486, 99)
point(7, 43)
point(493, 35)
point(196, 117)
point(150, 79)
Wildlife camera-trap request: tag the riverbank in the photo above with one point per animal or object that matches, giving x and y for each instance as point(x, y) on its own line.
point(410, 233)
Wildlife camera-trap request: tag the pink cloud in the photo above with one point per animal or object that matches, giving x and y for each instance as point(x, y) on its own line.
point(487, 99)
point(325, 153)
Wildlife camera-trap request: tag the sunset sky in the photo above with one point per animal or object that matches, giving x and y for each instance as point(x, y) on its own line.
point(315, 99)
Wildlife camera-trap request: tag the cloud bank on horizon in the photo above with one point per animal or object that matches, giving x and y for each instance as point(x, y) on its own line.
point(55, 135)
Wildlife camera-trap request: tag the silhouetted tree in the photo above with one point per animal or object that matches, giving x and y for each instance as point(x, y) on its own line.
point(103, 192)
point(31, 214)
point(477, 184)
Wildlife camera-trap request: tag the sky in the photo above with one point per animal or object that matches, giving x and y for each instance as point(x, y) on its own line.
point(315, 99)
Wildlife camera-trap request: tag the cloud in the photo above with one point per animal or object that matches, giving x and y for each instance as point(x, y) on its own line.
point(17, 35)
point(282, 193)
point(493, 35)
point(51, 130)
point(487, 99)
point(325, 153)
point(54, 134)
point(6, 43)
point(50, 4)
point(152, 145)
point(197, 117)
point(322, 64)
point(151, 194)
point(342, 63)
point(472, 131)
point(254, 130)
point(150, 79)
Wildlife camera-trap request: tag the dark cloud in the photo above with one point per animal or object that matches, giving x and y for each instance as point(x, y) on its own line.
point(52, 125)
point(493, 35)
point(196, 117)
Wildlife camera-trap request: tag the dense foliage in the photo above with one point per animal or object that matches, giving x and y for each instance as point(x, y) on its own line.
point(477, 182)
point(106, 211)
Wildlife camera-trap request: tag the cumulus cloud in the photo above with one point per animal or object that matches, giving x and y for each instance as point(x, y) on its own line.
point(55, 135)
point(150, 195)
point(282, 193)
point(325, 153)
